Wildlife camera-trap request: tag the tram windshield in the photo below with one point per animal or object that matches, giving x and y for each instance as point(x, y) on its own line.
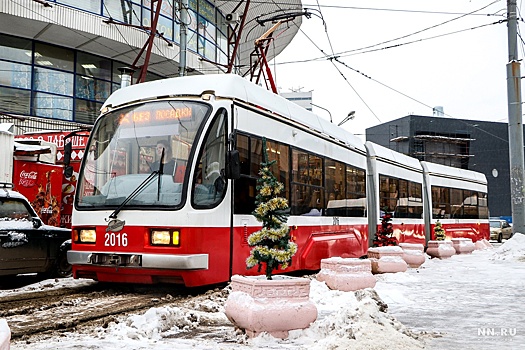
point(138, 155)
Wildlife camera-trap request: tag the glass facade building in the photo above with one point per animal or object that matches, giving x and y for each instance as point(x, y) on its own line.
point(45, 80)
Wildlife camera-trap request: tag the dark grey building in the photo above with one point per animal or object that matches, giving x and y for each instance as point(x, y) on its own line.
point(469, 144)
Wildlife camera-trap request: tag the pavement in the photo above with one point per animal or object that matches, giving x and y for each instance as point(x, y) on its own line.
point(466, 302)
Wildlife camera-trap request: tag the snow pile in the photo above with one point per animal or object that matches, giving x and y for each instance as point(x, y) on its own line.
point(351, 320)
point(49, 284)
point(512, 249)
point(15, 224)
point(155, 324)
point(346, 320)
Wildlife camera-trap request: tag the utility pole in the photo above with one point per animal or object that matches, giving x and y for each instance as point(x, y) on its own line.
point(183, 36)
point(515, 123)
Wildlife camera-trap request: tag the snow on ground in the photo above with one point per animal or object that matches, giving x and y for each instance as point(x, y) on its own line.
point(472, 301)
point(468, 301)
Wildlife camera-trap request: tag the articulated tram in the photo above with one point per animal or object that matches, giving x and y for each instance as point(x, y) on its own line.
point(168, 185)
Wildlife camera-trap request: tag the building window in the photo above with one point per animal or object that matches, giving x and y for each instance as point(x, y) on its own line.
point(87, 111)
point(15, 75)
point(53, 81)
point(15, 101)
point(53, 106)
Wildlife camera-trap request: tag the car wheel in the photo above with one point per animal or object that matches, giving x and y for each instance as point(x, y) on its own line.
point(500, 238)
point(63, 268)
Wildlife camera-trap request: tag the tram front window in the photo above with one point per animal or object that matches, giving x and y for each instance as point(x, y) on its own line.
point(140, 152)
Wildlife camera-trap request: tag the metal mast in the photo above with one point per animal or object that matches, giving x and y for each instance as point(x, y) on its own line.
point(515, 123)
point(183, 37)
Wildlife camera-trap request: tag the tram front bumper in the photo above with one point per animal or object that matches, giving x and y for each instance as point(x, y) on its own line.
point(149, 261)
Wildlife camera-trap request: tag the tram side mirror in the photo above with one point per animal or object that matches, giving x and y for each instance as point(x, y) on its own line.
point(233, 166)
point(68, 171)
point(68, 148)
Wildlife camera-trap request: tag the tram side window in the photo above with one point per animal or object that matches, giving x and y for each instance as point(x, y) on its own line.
point(335, 188)
point(307, 179)
point(456, 203)
point(209, 181)
point(483, 209)
point(440, 203)
point(345, 187)
point(280, 153)
point(250, 151)
point(414, 200)
point(387, 193)
point(470, 204)
point(356, 192)
point(245, 186)
point(401, 197)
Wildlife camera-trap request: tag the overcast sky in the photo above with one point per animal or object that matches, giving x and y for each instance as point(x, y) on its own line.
point(448, 54)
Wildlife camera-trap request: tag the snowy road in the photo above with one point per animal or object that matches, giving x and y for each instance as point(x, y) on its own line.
point(475, 301)
point(466, 302)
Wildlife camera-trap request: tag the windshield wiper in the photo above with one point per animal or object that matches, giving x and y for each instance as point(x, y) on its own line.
point(161, 172)
point(142, 186)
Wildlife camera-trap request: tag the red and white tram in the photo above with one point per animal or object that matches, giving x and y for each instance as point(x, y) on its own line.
point(396, 186)
point(157, 199)
point(458, 199)
point(420, 193)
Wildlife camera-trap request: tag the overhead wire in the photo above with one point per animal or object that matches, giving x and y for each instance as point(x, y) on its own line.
point(397, 45)
point(335, 58)
point(340, 72)
point(423, 30)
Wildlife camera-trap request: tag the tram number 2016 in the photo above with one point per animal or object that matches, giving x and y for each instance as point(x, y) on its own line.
point(112, 239)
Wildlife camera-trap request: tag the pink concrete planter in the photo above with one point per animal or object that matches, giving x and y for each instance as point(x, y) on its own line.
point(480, 245)
point(463, 245)
point(5, 335)
point(440, 249)
point(413, 254)
point(346, 274)
point(387, 259)
point(274, 306)
point(483, 244)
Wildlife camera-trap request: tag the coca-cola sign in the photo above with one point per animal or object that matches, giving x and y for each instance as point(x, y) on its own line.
point(28, 178)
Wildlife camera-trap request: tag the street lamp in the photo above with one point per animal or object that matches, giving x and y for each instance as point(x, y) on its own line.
point(350, 116)
point(313, 104)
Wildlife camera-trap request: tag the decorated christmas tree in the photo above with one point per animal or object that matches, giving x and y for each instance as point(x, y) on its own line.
point(439, 232)
point(271, 245)
point(385, 235)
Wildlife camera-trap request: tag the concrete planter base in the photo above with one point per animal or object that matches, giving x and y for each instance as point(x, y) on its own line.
point(440, 249)
point(274, 306)
point(483, 244)
point(413, 254)
point(346, 274)
point(463, 245)
point(387, 259)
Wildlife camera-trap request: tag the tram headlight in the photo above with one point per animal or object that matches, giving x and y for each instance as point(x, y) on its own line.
point(85, 235)
point(165, 237)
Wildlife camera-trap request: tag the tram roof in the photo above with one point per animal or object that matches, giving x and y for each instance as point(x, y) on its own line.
point(237, 88)
point(453, 172)
point(390, 156)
